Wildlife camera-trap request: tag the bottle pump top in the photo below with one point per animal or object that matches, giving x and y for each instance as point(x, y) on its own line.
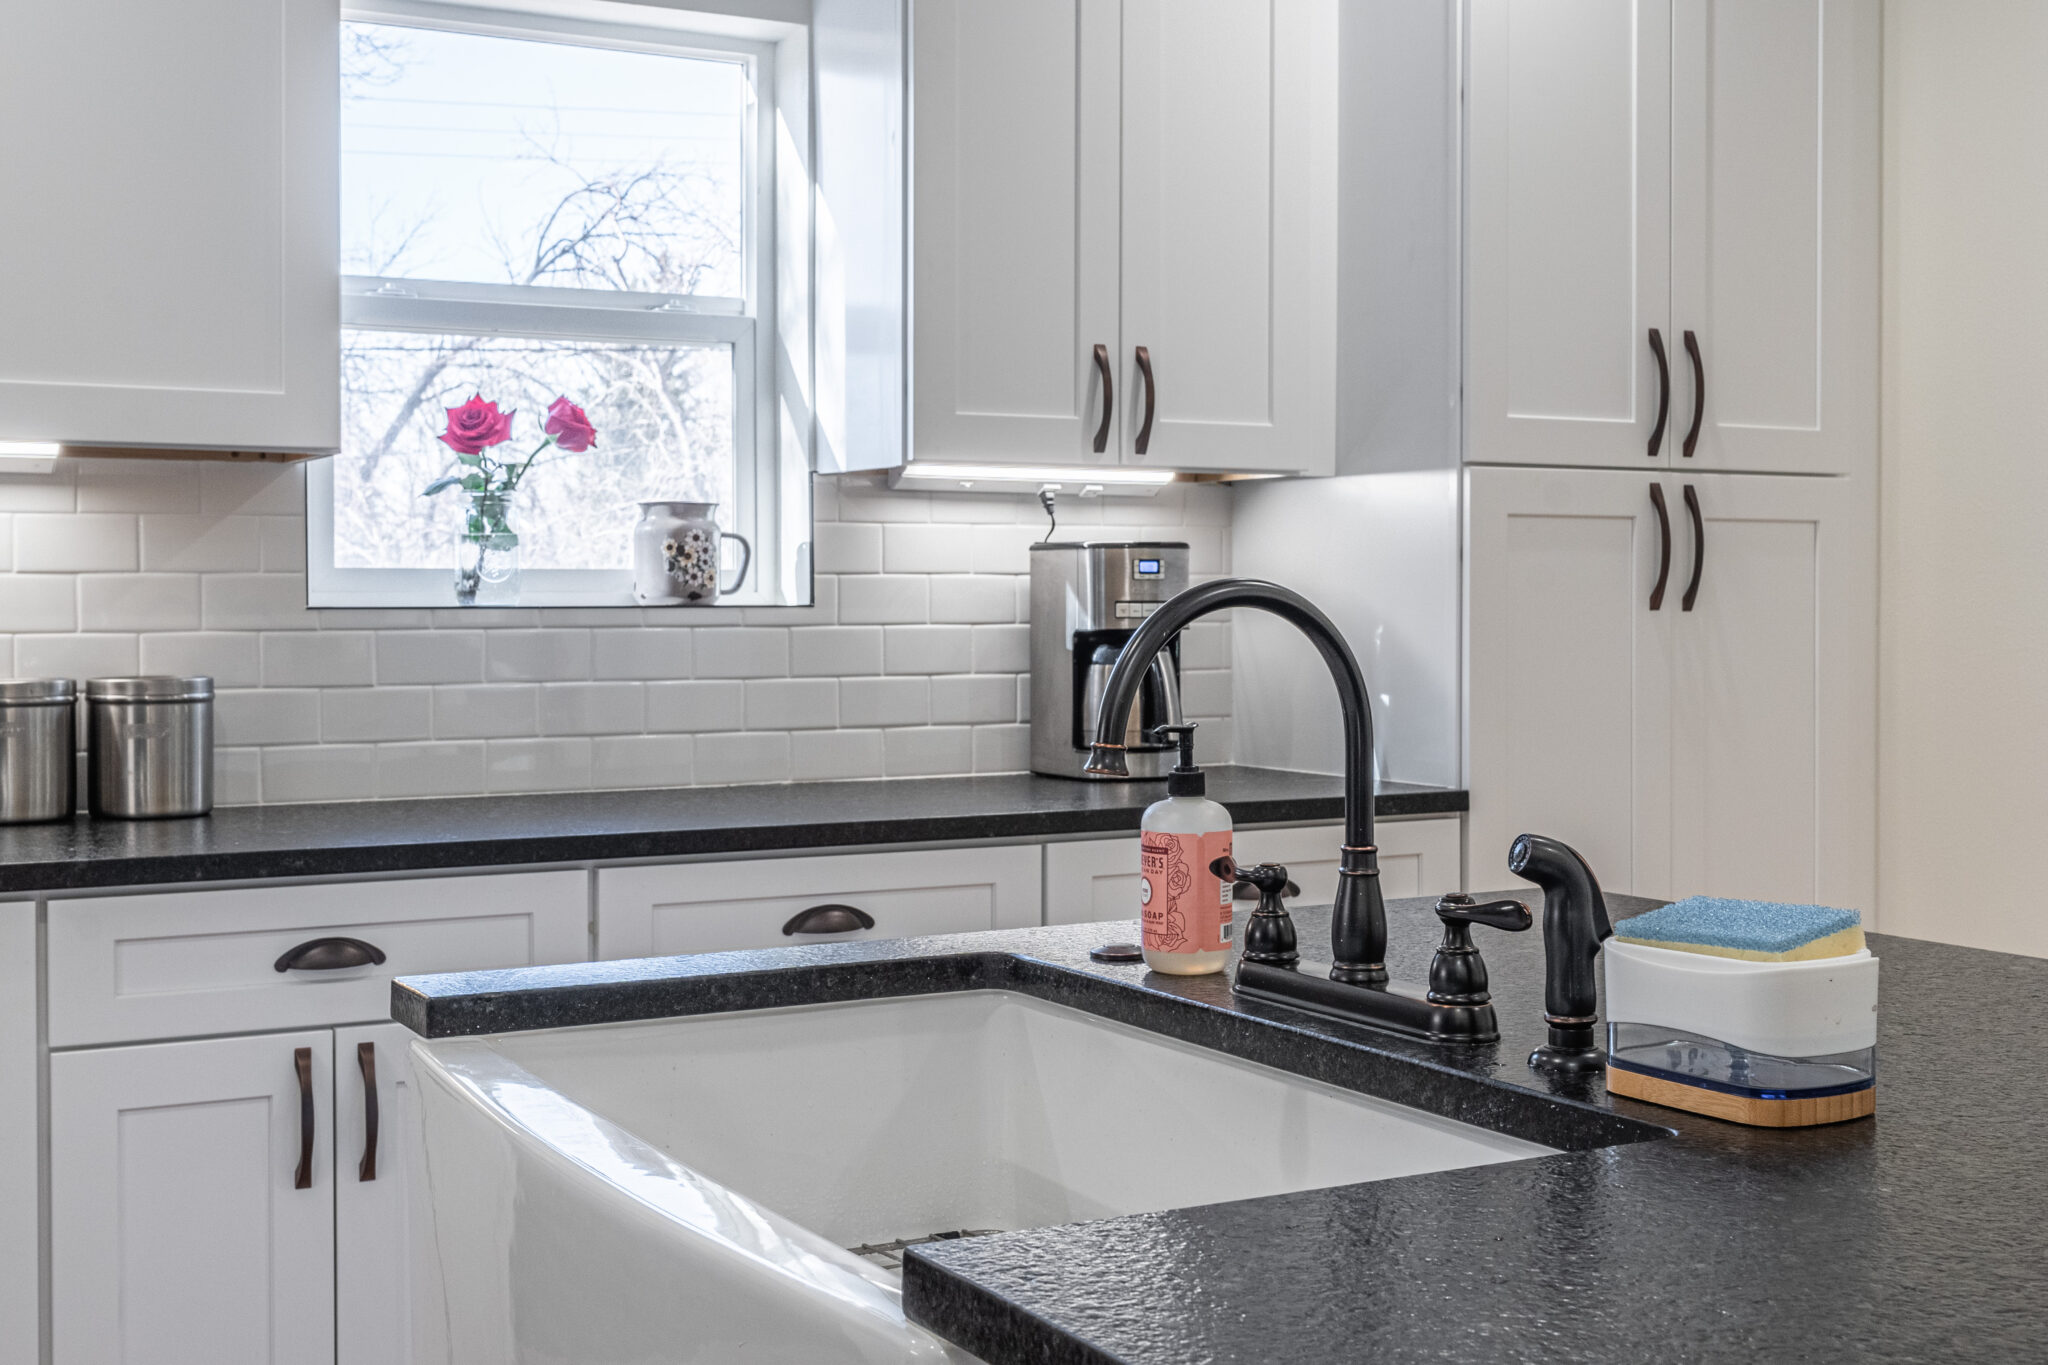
point(1185, 779)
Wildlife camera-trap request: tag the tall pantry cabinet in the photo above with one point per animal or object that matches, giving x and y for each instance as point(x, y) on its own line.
point(1658, 424)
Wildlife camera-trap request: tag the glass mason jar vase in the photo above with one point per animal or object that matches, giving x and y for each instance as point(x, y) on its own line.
point(487, 552)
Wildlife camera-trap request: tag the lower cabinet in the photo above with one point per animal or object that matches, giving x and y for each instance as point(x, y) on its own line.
point(20, 1137)
point(1097, 879)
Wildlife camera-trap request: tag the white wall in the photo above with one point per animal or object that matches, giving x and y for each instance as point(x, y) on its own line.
point(910, 663)
point(1963, 672)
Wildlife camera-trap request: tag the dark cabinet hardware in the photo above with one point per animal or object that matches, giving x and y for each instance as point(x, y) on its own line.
point(829, 919)
point(1108, 405)
point(302, 1059)
point(1699, 393)
point(1663, 391)
point(366, 1060)
point(1574, 925)
point(1144, 440)
point(1664, 546)
point(1699, 549)
point(331, 955)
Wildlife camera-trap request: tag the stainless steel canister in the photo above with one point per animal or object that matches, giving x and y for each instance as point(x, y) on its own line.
point(36, 769)
point(149, 747)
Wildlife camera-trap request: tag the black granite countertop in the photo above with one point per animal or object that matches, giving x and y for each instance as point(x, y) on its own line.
point(1920, 1234)
point(361, 837)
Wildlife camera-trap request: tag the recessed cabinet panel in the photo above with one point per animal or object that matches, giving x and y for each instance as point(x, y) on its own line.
point(1015, 181)
point(1229, 241)
point(1775, 230)
point(170, 261)
point(1566, 670)
point(1772, 699)
point(1568, 229)
point(178, 1231)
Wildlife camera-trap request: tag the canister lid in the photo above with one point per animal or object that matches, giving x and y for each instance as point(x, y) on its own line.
point(37, 691)
point(149, 689)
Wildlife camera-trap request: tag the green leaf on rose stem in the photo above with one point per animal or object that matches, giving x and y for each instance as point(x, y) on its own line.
point(475, 483)
point(467, 459)
point(448, 481)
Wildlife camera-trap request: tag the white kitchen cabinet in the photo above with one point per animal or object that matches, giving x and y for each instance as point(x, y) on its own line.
point(20, 1124)
point(1097, 879)
point(1702, 170)
point(1714, 740)
point(763, 903)
point(1124, 174)
point(182, 1229)
point(171, 257)
point(387, 1286)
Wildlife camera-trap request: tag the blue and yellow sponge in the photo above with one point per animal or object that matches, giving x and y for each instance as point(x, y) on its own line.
point(1755, 931)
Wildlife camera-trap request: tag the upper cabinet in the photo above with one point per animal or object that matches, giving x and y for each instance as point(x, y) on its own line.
point(1124, 233)
point(169, 260)
point(1672, 234)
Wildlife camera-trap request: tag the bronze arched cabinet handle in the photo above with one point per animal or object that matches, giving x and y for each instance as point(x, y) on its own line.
point(1144, 441)
point(828, 919)
point(1699, 549)
point(1663, 391)
point(1699, 396)
point(366, 1061)
point(330, 955)
point(302, 1062)
point(1664, 546)
point(1108, 397)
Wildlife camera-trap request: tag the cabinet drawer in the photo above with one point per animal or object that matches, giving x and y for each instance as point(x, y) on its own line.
point(178, 964)
point(1097, 879)
point(712, 907)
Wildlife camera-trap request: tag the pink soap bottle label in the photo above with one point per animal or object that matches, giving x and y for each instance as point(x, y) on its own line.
point(1186, 907)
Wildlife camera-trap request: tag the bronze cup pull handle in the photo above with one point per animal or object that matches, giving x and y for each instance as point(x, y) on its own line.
point(1108, 397)
point(828, 919)
point(366, 1060)
point(330, 955)
point(302, 1061)
point(1144, 441)
point(1664, 542)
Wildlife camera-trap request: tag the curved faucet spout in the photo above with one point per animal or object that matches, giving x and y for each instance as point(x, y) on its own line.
point(1358, 927)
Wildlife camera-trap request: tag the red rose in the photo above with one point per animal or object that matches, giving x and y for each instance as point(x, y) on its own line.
point(570, 427)
point(475, 425)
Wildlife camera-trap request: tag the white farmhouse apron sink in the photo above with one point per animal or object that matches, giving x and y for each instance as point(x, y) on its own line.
point(688, 1189)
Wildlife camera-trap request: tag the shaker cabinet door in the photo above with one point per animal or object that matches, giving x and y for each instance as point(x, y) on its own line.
point(170, 257)
point(388, 1304)
point(1568, 691)
point(1774, 270)
point(1568, 231)
point(1229, 235)
point(1014, 157)
point(179, 1235)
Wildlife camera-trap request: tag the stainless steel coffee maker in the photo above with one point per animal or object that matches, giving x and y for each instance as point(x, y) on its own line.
point(1086, 600)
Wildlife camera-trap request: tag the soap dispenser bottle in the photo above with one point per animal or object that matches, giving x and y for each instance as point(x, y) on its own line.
point(1185, 906)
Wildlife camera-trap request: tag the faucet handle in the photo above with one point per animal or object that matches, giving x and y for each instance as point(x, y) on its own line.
point(1269, 937)
point(1457, 974)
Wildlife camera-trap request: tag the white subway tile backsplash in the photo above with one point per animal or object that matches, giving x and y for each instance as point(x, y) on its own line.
point(202, 544)
point(490, 711)
point(884, 701)
point(229, 658)
point(835, 651)
point(650, 653)
point(326, 658)
point(927, 649)
point(536, 765)
point(593, 708)
point(437, 656)
point(916, 643)
point(689, 707)
point(76, 656)
point(832, 755)
point(641, 761)
point(927, 751)
point(792, 703)
point(557, 655)
point(376, 713)
point(748, 756)
point(38, 602)
point(439, 769)
point(77, 542)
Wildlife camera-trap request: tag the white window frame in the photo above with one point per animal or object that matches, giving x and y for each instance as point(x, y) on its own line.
point(746, 324)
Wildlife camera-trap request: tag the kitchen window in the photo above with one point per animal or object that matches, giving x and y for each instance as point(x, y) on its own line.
point(533, 209)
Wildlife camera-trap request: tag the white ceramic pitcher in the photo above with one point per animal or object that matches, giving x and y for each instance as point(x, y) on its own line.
point(676, 554)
